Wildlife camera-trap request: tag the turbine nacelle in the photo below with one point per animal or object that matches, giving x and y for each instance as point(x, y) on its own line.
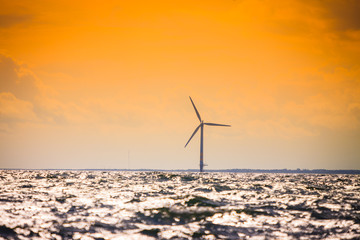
point(202, 123)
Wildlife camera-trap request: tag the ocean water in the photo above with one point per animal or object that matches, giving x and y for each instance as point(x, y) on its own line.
point(164, 205)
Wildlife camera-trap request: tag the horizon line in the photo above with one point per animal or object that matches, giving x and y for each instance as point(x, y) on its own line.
point(233, 170)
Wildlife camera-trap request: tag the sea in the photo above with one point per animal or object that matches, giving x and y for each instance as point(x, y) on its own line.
point(54, 204)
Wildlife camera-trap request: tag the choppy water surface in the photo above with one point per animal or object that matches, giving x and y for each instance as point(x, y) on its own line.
point(140, 205)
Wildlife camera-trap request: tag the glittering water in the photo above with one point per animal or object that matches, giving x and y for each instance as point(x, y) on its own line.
point(140, 205)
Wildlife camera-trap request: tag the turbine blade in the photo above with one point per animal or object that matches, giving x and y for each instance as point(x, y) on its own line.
point(197, 113)
point(193, 135)
point(215, 124)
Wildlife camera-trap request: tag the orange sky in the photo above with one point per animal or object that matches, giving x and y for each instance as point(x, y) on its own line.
point(84, 83)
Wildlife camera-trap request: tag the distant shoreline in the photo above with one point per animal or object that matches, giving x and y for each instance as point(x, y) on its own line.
point(296, 171)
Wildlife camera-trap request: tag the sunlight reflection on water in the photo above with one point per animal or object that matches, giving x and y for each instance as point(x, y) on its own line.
point(140, 205)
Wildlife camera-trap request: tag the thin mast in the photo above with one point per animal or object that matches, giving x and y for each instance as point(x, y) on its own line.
point(128, 159)
point(202, 148)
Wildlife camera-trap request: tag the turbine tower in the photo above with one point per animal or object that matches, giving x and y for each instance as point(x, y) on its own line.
point(201, 126)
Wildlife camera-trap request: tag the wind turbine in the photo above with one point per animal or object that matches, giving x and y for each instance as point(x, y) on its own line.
point(201, 126)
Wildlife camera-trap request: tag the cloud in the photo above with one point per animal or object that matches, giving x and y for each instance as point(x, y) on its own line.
point(354, 109)
point(9, 20)
point(24, 97)
point(14, 110)
point(313, 19)
point(343, 14)
point(280, 128)
point(18, 91)
point(17, 79)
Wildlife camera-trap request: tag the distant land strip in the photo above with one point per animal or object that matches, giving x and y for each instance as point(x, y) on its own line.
point(285, 170)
